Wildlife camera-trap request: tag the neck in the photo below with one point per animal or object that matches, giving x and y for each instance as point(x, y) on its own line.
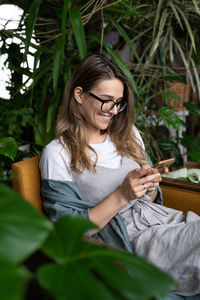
point(97, 138)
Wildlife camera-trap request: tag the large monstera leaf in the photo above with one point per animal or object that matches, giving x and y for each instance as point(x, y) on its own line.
point(84, 270)
point(79, 269)
point(22, 232)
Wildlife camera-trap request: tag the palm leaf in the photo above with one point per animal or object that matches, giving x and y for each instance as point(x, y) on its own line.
point(52, 111)
point(120, 64)
point(10, 33)
point(32, 15)
point(123, 67)
point(196, 6)
point(160, 31)
point(196, 76)
point(171, 52)
point(60, 46)
point(176, 13)
point(57, 61)
point(125, 36)
point(78, 30)
point(157, 16)
point(185, 63)
point(187, 24)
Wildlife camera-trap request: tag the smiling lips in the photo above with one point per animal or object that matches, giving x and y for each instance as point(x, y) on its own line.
point(106, 118)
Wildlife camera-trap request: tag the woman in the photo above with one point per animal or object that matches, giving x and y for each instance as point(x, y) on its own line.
point(97, 167)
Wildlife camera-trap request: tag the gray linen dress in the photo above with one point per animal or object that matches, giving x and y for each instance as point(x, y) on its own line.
point(166, 237)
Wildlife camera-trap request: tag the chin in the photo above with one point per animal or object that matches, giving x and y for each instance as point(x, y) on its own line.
point(105, 127)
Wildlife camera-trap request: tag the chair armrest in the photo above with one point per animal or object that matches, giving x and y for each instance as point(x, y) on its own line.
point(181, 195)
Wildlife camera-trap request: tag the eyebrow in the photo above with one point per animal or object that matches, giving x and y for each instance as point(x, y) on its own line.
point(111, 97)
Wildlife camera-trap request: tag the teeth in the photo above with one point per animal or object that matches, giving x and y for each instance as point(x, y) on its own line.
point(106, 117)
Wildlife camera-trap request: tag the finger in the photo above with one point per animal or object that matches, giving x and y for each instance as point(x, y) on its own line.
point(156, 177)
point(144, 187)
point(152, 187)
point(139, 172)
point(146, 167)
point(165, 170)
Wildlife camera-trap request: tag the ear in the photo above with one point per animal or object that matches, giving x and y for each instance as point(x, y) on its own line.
point(78, 94)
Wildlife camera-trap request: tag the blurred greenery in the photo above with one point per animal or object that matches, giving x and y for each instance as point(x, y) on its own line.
point(153, 42)
point(57, 262)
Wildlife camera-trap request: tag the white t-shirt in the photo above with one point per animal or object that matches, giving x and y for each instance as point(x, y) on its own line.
point(55, 162)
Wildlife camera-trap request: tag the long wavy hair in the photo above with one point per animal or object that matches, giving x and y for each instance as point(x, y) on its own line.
point(71, 127)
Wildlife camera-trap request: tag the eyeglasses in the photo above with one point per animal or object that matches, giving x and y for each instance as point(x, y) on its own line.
point(107, 105)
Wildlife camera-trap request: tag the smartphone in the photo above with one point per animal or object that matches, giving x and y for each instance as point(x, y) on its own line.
point(164, 163)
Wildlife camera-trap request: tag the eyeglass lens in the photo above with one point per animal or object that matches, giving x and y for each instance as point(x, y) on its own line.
point(108, 105)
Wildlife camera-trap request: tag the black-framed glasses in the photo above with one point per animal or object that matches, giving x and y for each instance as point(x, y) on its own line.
point(107, 105)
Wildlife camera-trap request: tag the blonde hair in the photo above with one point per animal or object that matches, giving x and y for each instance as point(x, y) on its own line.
point(71, 128)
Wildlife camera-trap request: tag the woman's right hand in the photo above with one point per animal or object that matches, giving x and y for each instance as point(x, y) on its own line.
point(137, 182)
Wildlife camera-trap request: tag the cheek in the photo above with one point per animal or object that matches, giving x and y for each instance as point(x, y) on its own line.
point(93, 109)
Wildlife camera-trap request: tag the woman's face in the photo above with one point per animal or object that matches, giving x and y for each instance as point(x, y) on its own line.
point(108, 89)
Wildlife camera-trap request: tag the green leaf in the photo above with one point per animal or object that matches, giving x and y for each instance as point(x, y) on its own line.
point(60, 47)
point(156, 41)
point(57, 61)
point(23, 229)
point(195, 155)
point(60, 249)
point(52, 109)
point(68, 276)
point(185, 61)
point(78, 29)
point(157, 16)
point(187, 24)
point(120, 64)
point(107, 272)
point(173, 96)
point(8, 147)
point(176, 13)
point(196, 6)
point(191, 142)
point(193, 108)
point(169, 117)
point(10, 33)
point(123, 67)
point(13, 280)
point(125, 36)
point(172, 78)
point(196, 74)
point(167, 145)
point(171, 52)
point(32, 15)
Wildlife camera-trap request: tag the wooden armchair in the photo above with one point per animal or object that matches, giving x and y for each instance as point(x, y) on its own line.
point(181, 195)
point(26, 180)
point(177, 194)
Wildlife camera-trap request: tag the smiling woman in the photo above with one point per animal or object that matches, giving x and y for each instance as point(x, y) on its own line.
point(97, 168)
point(82, 120)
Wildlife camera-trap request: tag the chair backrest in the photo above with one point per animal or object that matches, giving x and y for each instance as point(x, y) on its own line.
point(26, 180)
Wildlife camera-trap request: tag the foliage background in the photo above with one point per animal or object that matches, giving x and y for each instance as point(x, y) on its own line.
point(161, 42)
